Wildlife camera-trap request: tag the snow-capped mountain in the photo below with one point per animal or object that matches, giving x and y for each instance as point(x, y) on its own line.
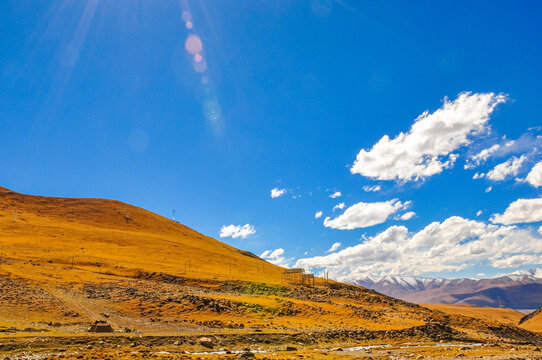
point(521, 274)
point(520, 290)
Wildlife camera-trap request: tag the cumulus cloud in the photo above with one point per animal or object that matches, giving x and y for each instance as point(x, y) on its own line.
point(517, 260)
point(318, 214)
point(236, 231)
point(508, 168)
point(334, 247)
point(454, 244)
point(479, 212)
point(427, 148)
point(336, 194)
point(520, 211)
point(276, 192)
point(364, 214)
point(535, 175)
point(489, 188)
point(276, 257)
point(374, 188)
point(407, 216)
point(339, 206)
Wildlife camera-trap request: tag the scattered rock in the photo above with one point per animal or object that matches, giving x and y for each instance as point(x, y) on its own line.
point(206, 341)
point(245, 355)
point(291, 348)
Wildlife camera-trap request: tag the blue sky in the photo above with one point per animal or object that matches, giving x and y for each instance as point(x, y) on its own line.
point(206, 106)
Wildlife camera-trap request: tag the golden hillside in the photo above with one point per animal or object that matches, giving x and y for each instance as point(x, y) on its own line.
point(533, 321)
point(114, 237)
point(68, 262)
point(502, 315)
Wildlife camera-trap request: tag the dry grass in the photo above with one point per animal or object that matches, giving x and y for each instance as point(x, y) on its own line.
point(110, 236)
point(67, 262)
point(53, 247)
point(505, 316)
point(533, 324)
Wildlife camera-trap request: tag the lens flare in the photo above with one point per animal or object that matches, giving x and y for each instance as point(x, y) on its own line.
point(200, 66)
point(186, 16)
point(193, 44)
point(211, 110)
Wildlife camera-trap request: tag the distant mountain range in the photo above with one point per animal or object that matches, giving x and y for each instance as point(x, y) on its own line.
point(518, 290)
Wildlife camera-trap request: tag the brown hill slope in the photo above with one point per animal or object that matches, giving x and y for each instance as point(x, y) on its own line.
point(533, 321)
point(67, 262)
point(502, 315)
point(118, 238)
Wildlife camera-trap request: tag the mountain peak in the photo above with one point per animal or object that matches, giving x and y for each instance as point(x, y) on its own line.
point(484, 292)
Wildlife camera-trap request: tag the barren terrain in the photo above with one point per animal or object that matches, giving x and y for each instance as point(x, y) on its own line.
point(170, 292)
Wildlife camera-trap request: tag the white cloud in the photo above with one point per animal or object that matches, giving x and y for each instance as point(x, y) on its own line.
point(276, 257)
point(339, 206)
point(478, 176)
point(520, 211)
point(334, 247)
point(236, 231)
point(427, 148)
point(451, 245)
point(374, 188)
point(535, 175)
point(489, 188)
point(276, 192)
point(540, 230)
point(481, 157)
point(479, 213)
point(507, 168)
point(318, 214)
point(407, 216)
point(363, 214)
point(517, 260)
point(526, 143)
point(336, 194)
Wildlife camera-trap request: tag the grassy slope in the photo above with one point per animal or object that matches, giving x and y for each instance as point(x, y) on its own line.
point(533, 322)
point(143, 271)
point(118, 238)
point(118, 246)
point(505, 316)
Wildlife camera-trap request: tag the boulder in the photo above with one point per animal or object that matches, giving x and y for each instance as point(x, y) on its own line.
point(206, 341)
point(245, 355)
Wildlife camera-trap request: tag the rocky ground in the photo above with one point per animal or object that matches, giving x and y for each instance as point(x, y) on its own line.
point(258, 346)
point(166, 317)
